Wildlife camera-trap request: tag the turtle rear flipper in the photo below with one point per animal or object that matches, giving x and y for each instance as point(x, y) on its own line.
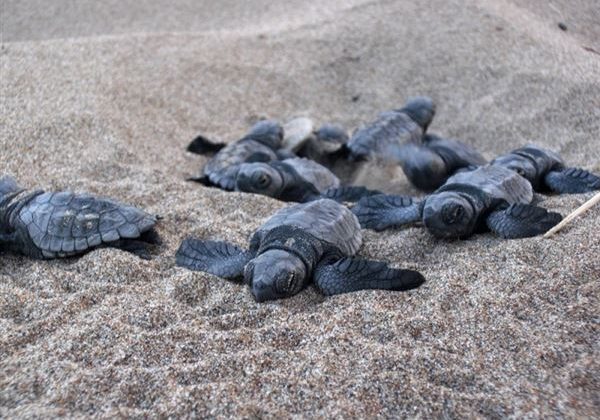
point(521, 221)
point(223, 178)
point(352, 274)
point(382, 211)
point(214, 257)
point(348, 193)
point(203, 146)
point(571, 181)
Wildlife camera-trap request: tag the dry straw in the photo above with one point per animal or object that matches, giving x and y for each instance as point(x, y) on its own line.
point(582, 209)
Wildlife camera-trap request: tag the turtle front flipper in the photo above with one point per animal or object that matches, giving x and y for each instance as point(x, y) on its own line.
point(203, 179)
point(214, 257)
point(379, 212)
point(203, 146)
point(572, 181)
point(348, 194)
point(521, 221)
point(352, 274)
point(223, 179)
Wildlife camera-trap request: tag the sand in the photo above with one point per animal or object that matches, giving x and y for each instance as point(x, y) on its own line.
point(105, 99)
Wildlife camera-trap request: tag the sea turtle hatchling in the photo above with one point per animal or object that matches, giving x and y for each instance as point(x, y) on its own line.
point(428, 164)
point(48, 225)
point(546, 171)
point(383, 137)
point(261, 144)
point(489, 196)
point(296, 179)
point(315, 240)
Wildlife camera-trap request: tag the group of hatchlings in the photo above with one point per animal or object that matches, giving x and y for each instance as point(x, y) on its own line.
point(316, 239)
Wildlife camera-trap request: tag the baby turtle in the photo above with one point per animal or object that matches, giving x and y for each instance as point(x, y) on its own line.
point(392, 129)
point(429, 164)
point(48, 225)
point(315, 240)
point(296, 179)
point(489, 196)
point(546, 171)
point(259, 145)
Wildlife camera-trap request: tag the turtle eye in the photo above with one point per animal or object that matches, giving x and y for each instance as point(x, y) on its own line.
point(262, 180)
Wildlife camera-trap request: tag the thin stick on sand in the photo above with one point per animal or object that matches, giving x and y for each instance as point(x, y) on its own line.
point(582, 209)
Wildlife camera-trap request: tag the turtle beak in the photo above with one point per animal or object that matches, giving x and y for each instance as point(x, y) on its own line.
point(263, 292)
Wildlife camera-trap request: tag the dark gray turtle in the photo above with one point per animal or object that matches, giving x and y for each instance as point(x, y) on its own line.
point(429, 164)
point(261, 144)
point(60, 224)
point(489, 196)
point(546, 171)
point(383, 137)
point(306, 241)
point(296, 179)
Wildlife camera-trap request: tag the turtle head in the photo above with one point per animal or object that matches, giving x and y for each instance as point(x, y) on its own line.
point(8, 185)
point(449, 215)
point(267, 132)
point(421, 109)
point(518, 164)
point(259, 178)
point(275, 274)
point(332, 133)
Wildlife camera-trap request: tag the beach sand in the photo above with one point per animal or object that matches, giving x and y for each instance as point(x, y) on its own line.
point(105, 99)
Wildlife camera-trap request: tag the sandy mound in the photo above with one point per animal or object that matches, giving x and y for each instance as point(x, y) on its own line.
point(500, 328)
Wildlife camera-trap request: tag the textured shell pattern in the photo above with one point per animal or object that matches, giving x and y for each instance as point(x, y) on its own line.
point(325, 219)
